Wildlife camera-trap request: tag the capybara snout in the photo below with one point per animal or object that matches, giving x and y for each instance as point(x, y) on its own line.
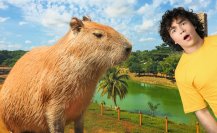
point(128, 49)
point(53, 85)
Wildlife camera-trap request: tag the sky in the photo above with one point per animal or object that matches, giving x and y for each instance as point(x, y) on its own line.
point(25, 24)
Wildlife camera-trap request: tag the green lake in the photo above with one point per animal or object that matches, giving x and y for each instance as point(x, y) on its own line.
point(139, 94)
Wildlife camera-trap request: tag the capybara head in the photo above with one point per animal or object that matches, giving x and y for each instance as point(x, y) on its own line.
point(98, 43)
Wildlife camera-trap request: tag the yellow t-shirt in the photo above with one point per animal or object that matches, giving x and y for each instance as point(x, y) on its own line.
point(196, 77)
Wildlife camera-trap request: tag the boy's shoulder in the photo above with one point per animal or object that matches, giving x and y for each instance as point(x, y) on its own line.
point(211, 39)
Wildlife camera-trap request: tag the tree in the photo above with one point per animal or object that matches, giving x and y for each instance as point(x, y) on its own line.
point(9, 58)
point(169, 64)
point(113, 83)
point(135, 62)
point(150, 67)
point(137, 68)
point(153, 107)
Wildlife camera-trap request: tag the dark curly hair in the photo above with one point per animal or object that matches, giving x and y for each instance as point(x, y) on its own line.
point(167, 20)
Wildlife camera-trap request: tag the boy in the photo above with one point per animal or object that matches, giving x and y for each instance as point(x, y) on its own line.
point(196, 72)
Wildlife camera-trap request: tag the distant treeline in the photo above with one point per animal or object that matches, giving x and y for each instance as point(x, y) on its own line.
point(9, 58)
point(160, 61)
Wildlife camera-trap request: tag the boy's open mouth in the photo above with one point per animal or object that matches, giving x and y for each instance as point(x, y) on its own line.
point(186, 37)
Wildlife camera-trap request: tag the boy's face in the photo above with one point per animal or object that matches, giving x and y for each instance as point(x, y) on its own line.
point(183, 33)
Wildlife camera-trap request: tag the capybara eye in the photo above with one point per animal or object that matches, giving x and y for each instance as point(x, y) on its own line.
point(98, 33)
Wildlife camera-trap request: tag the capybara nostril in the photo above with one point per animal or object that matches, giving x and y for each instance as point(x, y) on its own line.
point(128, 49)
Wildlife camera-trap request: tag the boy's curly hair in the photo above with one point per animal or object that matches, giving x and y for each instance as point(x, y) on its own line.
point(168, 18)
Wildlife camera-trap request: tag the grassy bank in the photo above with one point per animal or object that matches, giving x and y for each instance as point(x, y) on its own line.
point(153, 80)
point(129, 123)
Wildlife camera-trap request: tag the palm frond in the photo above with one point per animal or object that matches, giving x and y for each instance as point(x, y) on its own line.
point(113, 83)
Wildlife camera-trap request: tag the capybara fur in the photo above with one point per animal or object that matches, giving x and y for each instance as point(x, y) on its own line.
point(51, 86)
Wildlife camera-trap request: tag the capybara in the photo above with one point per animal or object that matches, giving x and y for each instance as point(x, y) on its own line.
point(51, 86)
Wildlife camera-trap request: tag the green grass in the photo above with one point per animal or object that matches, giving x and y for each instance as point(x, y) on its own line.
point(129, 122)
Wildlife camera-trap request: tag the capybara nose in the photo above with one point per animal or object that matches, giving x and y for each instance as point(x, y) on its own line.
point(128, 49)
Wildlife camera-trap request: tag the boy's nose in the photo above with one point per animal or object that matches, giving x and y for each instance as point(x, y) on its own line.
point(182, 31)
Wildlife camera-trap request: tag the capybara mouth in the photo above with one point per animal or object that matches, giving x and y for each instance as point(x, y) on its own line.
point(121, 60)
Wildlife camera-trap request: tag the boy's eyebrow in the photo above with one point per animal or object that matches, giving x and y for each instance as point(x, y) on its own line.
point(178, 22)
point(181, 20)
point(171, 28)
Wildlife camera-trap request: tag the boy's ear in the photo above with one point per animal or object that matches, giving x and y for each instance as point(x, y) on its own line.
point(76, 24)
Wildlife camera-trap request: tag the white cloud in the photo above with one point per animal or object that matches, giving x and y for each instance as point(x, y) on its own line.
point(215, 33)
point(2, 19)
point(216, 5)
point(51, 41)
point(147, 39)
point(56, 14)
point(19, 3)
point(22, 23)
point(28, 42)
point(144, 9)
point(196, 5)
point(48, 15)
point(3, 5)
point(147, 25)
point(172, 2)
point(9, 46)
point(158, 3)
point(126, 16)
point(53, 18)
point(187, 1)
point(118, 11)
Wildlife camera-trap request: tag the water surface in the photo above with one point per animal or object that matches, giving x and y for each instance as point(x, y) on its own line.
point(139, 94)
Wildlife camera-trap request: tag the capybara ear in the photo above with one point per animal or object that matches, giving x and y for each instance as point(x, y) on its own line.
point(86, 18)
point(76, 24)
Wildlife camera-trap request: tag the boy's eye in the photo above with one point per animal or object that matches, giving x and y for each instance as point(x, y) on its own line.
point(173, 31)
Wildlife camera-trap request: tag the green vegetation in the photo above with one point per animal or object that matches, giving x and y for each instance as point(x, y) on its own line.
point(113, 83)
point(108, 122)
point(162, 60)
point(9, 58)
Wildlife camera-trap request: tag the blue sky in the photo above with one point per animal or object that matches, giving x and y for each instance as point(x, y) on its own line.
point(25, 24)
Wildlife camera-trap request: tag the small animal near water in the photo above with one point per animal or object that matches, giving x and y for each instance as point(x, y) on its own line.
point(51, 86)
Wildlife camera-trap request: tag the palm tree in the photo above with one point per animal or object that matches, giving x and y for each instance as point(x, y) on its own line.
point(113, 83)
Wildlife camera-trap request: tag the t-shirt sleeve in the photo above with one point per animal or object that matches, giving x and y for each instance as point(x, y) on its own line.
point(191, 98)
